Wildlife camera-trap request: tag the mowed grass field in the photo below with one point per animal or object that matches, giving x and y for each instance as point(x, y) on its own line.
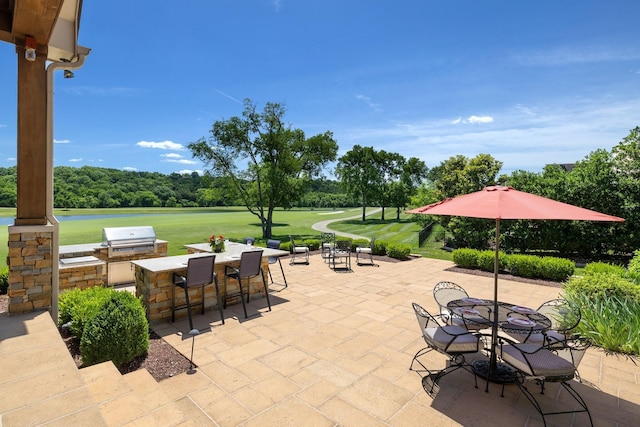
point(181, 226)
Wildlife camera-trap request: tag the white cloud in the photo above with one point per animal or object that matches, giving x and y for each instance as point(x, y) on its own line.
point(374, 106)
point(3, 125)
point(189, 172)
point(76, 160)
point(473, 120)
point(61, 141)
point(479, 119)
point(129, 168)
point(11, 159)
point(164, 145)
point(182, 161)
point(171, 156)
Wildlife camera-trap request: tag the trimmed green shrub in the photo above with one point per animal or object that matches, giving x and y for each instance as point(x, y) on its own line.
point(557, 269)
point(4, 280)
point(603, 267)
point(398, 250)
point(526, 265)
point(633, 269)
point(602, 285)
point(286, 246)
point(118, 332)
point(486, 260)
point(380, 247)
point(531, 266)
point(77, 307)
point(312, 244)
point(466, 258)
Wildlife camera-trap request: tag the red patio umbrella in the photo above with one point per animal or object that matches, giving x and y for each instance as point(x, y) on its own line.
point(499, 202)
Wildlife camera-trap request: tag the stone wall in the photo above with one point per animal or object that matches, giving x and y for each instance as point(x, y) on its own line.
point(83, 275)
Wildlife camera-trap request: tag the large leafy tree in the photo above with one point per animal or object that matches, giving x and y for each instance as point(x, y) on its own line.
point(412, 172)
point(267, 162)
point(381, 177)
point(358, 171)
point(389, 167)
point(460, 175)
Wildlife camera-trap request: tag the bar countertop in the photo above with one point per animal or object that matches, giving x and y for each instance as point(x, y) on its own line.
point(232, 253)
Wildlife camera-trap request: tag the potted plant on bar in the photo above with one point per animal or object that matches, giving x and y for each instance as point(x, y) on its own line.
point(217, 243)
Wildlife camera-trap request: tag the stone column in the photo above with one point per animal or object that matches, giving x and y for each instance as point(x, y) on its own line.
point(30, 268)
point(30, 239)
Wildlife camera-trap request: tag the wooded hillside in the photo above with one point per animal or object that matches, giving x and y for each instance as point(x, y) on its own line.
point(94, 187)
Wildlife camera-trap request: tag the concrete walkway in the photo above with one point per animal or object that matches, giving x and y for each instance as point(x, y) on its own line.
point(323, 226)
point(334, 351)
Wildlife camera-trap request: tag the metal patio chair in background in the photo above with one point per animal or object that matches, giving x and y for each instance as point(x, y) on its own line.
point(366, 251)
point(327, 242)
point(298, 252)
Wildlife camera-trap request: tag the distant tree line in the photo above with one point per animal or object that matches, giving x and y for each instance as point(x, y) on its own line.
point(94, 187)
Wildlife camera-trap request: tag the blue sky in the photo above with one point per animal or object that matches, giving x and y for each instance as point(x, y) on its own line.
point(529, 82)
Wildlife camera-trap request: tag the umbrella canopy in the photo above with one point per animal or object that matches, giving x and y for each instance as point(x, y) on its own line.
point(506, 203)
point(497, 203)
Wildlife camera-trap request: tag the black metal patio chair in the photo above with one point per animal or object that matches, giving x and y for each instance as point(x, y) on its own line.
point(451, 340)
point(543, 364)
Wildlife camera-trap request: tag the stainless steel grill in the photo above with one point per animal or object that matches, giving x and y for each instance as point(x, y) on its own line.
point(128, 241)
point(123, 245)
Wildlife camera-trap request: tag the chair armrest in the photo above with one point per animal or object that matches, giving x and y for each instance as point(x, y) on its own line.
point(177, 278)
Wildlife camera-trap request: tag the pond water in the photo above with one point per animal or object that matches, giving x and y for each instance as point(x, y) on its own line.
point(9, 220)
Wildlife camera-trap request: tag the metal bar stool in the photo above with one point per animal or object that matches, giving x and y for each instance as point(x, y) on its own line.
point(200, 272)
point(250, 266)
point(275, 244)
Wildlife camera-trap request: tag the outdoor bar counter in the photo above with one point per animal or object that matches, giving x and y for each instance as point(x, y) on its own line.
point(154, 279)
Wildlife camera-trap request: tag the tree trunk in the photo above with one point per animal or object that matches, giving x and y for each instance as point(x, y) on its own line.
point(268, 225)
point(398, 213)
point(382, 215)
point(364, 207)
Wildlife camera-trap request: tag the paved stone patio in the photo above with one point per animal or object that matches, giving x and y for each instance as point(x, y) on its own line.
point(335, 350)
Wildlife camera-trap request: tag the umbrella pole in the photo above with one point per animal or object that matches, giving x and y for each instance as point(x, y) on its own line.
point(494, 329)
point(494, 371)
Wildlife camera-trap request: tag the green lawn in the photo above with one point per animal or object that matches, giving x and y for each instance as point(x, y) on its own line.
point(182, 226)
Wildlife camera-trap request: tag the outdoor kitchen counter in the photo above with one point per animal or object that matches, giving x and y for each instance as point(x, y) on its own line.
point(154, 280)
point(87, 249)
